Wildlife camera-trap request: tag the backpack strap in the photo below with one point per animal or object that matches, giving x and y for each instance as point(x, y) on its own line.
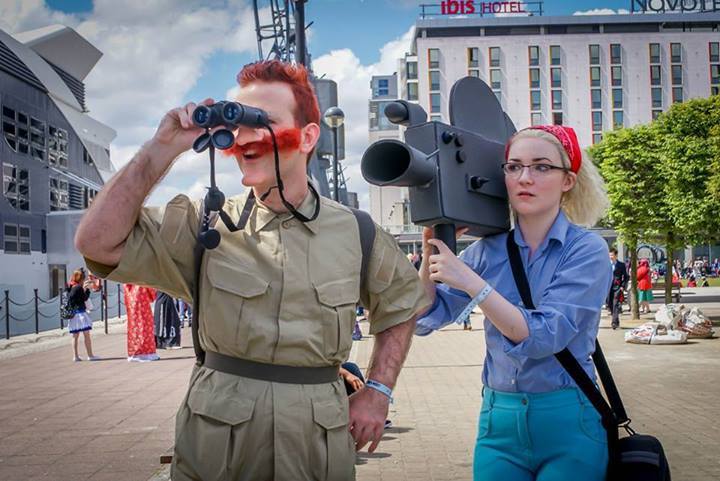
point(198, 254)
point(366, 227)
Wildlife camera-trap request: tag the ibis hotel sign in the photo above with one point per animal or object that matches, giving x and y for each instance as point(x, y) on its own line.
point(469, 7)
point(682, 6)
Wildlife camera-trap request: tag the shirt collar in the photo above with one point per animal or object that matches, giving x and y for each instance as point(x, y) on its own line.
point(558, 231)
point(264, 215)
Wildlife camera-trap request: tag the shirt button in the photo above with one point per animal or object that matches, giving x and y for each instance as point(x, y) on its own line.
point(512, 381)
point(287, 224)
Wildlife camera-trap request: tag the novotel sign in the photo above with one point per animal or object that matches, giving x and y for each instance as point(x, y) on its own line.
point(469, 7)
point(683, 6)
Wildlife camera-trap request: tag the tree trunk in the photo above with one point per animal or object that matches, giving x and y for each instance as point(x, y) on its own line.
point(670, 242)
point(634, 305)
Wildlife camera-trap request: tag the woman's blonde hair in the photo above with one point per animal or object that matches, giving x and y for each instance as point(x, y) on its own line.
point(585, 204)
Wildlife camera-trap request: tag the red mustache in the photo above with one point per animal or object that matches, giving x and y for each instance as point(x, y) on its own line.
point(287, 139)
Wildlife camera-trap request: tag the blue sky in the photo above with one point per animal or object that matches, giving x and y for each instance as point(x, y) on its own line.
point(161, 54)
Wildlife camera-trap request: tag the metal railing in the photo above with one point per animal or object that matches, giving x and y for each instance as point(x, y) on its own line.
point(46, 313)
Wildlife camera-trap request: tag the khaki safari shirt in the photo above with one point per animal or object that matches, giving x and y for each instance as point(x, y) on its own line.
point(283, 292)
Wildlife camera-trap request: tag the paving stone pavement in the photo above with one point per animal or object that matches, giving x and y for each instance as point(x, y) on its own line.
point(111, 420)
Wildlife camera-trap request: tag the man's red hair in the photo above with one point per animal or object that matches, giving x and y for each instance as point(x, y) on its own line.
point(296, 76)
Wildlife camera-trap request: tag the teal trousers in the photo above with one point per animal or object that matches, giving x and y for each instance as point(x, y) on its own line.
point(551, 436)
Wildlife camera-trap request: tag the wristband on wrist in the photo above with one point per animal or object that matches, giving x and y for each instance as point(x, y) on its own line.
point(380, 387)
point(481, 296)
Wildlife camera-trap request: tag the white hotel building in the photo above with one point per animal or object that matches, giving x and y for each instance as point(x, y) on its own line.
point(594, 73)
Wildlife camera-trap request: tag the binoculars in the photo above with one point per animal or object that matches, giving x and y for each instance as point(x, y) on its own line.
point(226, 114)
point(453, 172)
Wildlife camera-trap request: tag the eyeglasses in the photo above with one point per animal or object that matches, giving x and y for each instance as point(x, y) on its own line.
point(514, 169)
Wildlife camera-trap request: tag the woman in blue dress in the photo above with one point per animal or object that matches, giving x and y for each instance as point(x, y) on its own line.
point(535, 424)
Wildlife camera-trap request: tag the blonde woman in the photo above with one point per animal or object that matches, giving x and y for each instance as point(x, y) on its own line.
point(535, 424)
point(78, 294)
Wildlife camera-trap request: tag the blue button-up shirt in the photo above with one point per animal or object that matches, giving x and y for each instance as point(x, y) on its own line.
point(569, 276)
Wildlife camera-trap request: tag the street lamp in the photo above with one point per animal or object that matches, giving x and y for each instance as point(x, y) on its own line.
point(334, 118)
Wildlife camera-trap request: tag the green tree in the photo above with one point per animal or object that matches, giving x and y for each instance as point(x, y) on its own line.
point(629, 162)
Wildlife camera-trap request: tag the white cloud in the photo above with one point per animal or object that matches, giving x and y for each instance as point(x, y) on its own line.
point(603, 11)
point(353, 79)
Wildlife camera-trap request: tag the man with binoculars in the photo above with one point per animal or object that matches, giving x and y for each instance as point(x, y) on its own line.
point(276, 298)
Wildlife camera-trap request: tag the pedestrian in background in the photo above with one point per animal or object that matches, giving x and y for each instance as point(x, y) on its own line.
point(645, 295)
point(140, 326)
point(78, 294)
point(619, 284)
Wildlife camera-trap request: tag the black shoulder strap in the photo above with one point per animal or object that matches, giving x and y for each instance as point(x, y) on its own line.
point(367, 239)
point(198, 254)
point(565, 357)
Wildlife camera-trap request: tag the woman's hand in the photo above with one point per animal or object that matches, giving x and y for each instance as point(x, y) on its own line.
point(352, 380)
point(447, 268)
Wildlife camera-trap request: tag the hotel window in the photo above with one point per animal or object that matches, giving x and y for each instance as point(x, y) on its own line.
point(715, 74)
point(596, 98)
point(656, 114)
point(533, 55)
point(495, 79)
point(435, 103)
point(16, 239)
point(554, 55)
point(617, 96)
point(675, 53)
point(473, 72)
point(714, 48)
point(383, 87)
point(535, 100)
point(412, 70)
point(654, 53)
point(37, 138)
point(434, 80)
point(57, 146)
point(16, 187)
point(494, 56)
point(436, 118)
point(594, 54)
point(597, 138)
point(656, 98)
point(534, 78)
point(557, 99)
point(556, 77)
point(16, 130)
point(557, 118)
point(434, 58)
point(594, 76)
point(473, 57)
point(412, 91)
point(714, 90)
point(597, 121)
point(655, 78)
point(677, 94)
point(536, 118)
point(59, 194)
point(615, 53)
point(676, 74)
point(618, 119)
point(616, 76)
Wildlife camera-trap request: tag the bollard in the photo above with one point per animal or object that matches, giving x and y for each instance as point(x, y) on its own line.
point(104, 290)
point(102, 303)
point(60, 301)
point(7, 314)
point(37, 319)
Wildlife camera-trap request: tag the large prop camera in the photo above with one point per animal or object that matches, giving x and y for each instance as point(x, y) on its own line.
point(453, 172)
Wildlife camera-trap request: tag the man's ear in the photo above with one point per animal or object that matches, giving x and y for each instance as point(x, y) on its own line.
point(309, 136)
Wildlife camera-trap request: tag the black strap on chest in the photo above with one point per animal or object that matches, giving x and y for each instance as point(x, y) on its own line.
point(367, 238)
point(613, 413)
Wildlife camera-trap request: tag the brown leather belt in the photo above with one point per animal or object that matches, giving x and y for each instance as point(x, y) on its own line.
point(270, 372)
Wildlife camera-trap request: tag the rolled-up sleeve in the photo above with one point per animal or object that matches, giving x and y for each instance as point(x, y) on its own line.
point(159, 250)
point(449, 302)
point(570, 303)
point(393, 293)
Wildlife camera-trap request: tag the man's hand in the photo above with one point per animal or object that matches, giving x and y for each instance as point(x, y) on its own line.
point(177, 132)
point(368, 411)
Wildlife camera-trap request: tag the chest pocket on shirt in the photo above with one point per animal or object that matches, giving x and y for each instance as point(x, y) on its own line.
point(337, 302)
point(233, 286)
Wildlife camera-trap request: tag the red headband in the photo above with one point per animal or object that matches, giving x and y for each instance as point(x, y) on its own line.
point(567, 138)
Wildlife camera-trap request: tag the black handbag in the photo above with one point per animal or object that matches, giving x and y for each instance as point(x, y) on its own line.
point(636, 457)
